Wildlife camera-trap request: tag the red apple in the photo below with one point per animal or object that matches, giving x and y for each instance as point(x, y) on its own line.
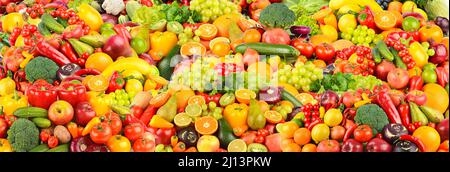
point(351, 145)
point(84, 113)
point(416, 96)
point(60, 112)
point(350, 98)
point(383, 69)
point(398, 78)
point(442, 129)
point(328, 146)
point(378, 145)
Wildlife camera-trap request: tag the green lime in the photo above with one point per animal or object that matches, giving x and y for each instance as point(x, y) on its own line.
point(193, 110)
point(237, 145)
point(182, 120)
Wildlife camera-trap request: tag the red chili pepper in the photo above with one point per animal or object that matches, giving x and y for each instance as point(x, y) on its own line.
point(414, 140)
point(116, 82)
point(147, 115)
point(67, 50)
point(122, 31)
point(88, 71)
point(137, 111)
point(314, 123)
point(386, 103)
point(403, 109)
point(72, 93)
point(442, 76)
point(349, 132)
point(41, 94)
point(366, 17)
point(415, 83)
point(52, 53)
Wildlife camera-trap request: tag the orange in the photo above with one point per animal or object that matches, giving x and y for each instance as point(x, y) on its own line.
point(309, 148)
point(273, 117)
point(98, 61)
point(342, 44)
point(244, 95)
point(217, 40)
point(385, 20)
point(291, 147)
point(97, 83)
point(193, 48)
point(183, 97)
point(398, 17)
point(415, 71)
point(159, 122)
point(159, 99)
point(223, 23)
point(196, 100)
point(395, 6)
point(207, 31)
point(319, 39)
point(430, 138)
point(320, 64)
point(437, 97)
point(252, 35)
point(285, 142)
point(206, 125)
point(302, 136)
point(264, 106)
point(221, 49)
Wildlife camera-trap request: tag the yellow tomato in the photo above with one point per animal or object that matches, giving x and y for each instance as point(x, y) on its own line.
point(430, 138)
point(320, 132)
point(333, 117)
point(90, 16)
point(119, 143)
point(11, 21)
point(133, 86)
point(347, 22)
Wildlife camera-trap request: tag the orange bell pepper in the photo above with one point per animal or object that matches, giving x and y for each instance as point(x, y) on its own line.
point(236, 115)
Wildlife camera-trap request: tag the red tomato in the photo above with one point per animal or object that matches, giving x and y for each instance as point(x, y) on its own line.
point(276, 36)
point(10, 8)
point(363, 133)
point(325, 52)
point(115, 123)
point(249, 137)
point(3, 128)
point(305, 48)
point(52, 142)
point(144, 145)
point(134, 131)
point(101, 133)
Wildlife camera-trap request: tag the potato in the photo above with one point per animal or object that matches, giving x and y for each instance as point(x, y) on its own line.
point(62, 134)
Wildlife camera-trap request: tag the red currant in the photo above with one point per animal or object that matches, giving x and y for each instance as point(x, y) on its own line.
point(360, 59)
point(33, 14)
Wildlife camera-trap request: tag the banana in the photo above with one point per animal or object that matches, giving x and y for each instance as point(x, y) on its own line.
point(131, 63)
point(337, 4)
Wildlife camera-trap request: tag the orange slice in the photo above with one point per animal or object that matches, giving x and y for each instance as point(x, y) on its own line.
point(217, 40)
point(159, 99)
point(305, 98)
point(385, 20)
point(207, 31)
point(193, 48)
point(273, 117)
point(244, 95)
point(206, 125)
point(97, 83)
point(196, 100)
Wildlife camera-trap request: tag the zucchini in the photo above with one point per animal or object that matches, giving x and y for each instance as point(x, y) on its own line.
point(384, 51)
point(60, 148)
point(165, 66)
point(376, 56)
point(397, 60)
point(40, 148)
point(43, 29)
point(30, 112)
point(51, 23)
point(42, 122)
point(285, 95)
point(269, 49)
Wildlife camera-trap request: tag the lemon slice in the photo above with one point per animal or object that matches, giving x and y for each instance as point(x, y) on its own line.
point(237, 145)
point(182, 120)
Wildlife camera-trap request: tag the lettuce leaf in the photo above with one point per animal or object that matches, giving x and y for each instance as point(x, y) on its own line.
point(148, 15)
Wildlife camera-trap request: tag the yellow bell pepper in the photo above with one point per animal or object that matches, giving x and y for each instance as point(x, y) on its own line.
point(236, 115)
point(163, 42)
point(7, 86)
point(28, 57)
point(12, 20)
point(90, 16)
point(365, 100)
point(100, 102)
point(94, 121)
point(418, 54)
point(5, 146)
point(11, 102)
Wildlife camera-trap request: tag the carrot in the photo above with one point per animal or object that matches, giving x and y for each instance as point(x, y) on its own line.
point(179, 147)
point(73, 129)
point(191, 149)
point(173, 141)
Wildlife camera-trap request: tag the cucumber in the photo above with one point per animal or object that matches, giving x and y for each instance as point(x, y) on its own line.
point(60, 148)
point(51, 23)
point(31, 112)
point(63, 22)
point(269, 49)
point(43, 29)
point(384, 51)
point(121, 110)
point(164, 66)
point(40, 148)
point(42, 122)
point(398, 61)
point(376, 56)
point(285, 95)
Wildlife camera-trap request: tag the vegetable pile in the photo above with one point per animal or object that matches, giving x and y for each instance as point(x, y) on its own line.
point(224, 76)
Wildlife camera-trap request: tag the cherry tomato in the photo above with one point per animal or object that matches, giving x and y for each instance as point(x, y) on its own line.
point(259, 139)
point(144, 145)
point(305, 48)
point(44, 136)
point(325, 52)
point(363, 133)
point(134, 131)
point(101, 133)
point(52, 142)
point(11, 7)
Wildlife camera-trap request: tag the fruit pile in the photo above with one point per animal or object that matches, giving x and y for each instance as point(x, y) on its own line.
point(224, 76)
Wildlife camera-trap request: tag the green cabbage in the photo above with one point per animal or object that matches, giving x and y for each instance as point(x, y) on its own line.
point(436, 8)
point(148, 15)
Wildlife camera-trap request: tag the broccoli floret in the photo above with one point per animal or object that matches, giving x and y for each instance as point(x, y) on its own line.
point(372, 115)
point(23, 135)
point(277, 15)
point(41, 68)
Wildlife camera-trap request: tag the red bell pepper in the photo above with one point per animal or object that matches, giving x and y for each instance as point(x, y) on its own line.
point(148, 114)
point(67, 50)
point(442, 76)
point(116, 82)
point(403, 109)
point(366, 17)
point(52, 53)
point(416, 83)
point(72, 93)
point(73, 31)
point(41, 94)
point(386, 103)
point(162, 135)
point(122, 31)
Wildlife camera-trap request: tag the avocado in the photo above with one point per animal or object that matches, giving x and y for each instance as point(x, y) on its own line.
point(225, 133)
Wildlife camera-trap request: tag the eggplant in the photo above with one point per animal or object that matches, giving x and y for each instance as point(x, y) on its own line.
point(188, 136)
point(393, 131)
point(405, 146)
point(301, 30)
point(270, 95)
point(67, 70)
point(85, 144)
point(443, 23)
